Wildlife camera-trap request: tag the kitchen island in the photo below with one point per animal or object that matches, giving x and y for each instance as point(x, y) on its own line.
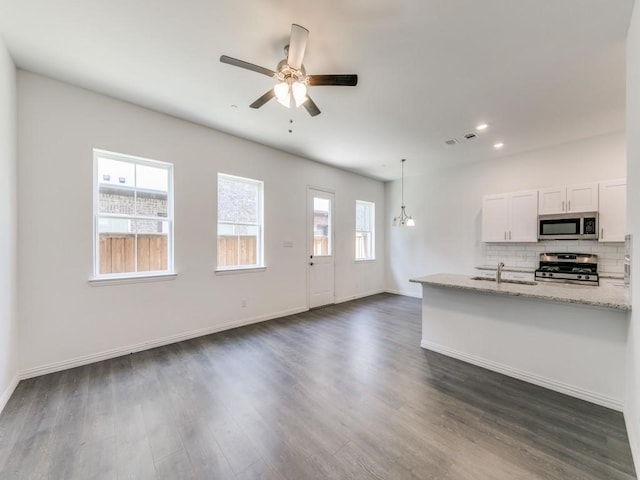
point(569, 338)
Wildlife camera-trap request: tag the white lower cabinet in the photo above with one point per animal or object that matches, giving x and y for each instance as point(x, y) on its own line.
point(520, 276)
point(506, 275)
point(510, 217)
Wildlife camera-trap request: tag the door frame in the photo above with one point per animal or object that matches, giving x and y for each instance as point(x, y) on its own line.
point(309, 236)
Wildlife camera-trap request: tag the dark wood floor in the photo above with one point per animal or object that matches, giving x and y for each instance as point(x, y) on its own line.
point(340, 392)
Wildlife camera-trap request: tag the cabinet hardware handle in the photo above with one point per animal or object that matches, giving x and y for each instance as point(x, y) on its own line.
point(602, 233)
point(563, 205)
point(569, 206)
point(505, 235)
point(509, 234)
point(311, 263)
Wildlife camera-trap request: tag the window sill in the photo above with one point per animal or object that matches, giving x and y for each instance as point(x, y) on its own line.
point(239, 270)
point(156, 277)
point(365, 260)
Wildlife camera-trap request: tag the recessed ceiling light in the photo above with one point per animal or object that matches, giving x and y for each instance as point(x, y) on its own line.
point(498, 145)
point(482, 126)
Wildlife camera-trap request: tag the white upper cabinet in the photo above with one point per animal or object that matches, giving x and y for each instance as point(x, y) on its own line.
point(552, 200)
point(582, 198)
point(613, 210)
point(510, 217)
point(571, 199)
point(495, 218)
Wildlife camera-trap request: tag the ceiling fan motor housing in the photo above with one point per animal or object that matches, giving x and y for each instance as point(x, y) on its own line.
point(285, 71)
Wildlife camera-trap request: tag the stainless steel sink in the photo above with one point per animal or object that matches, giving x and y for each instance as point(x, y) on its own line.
point(515, 282)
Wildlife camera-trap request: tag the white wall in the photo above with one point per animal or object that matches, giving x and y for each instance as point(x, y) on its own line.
point(447, 204)
point(8, 226)
point(65, 321)
point(632, 412)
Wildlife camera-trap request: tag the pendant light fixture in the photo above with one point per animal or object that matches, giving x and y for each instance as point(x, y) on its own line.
point(403, 220)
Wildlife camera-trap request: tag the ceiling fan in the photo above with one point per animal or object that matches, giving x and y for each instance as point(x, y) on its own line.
point(292, 79)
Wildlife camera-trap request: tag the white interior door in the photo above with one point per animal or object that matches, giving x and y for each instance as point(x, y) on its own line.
point(320, 247)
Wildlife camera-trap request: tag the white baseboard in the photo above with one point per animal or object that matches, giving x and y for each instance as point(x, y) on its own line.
point(561, 387)
point(404, 293)
point(360, 295)
point(117, 352)
point(6, 395)
point(634, 439)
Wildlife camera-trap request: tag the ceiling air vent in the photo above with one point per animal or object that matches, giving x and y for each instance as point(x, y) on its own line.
point(469, 136)
point(451, 142)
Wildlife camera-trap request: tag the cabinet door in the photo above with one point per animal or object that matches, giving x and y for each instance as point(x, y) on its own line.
point(612, 214)
point(521, 276)
point(495, 216)
point(582, 198)
point(523, 217)
point(552, 200)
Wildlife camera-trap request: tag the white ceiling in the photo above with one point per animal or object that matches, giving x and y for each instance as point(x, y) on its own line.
point(540, 72)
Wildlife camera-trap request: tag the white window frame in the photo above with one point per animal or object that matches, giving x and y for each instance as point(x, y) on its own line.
point(260, 264)
point(372, 232)
point(124, 277)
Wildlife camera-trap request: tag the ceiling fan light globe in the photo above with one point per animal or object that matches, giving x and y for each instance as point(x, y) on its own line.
point(285, 102)
point(282, 91)
point(299, 92)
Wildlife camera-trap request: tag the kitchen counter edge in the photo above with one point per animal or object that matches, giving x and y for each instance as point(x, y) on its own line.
point(610, 297)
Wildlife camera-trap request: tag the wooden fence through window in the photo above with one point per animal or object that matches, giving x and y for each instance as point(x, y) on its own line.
point(237, 250)
point(117, 253)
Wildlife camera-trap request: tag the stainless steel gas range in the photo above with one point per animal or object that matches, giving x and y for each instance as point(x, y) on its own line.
point(577, 268)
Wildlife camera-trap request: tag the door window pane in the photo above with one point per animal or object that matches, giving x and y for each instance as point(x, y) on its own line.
point(321, 226)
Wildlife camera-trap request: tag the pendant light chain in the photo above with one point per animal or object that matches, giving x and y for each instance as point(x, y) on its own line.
point(403, 220)
point(402, 184)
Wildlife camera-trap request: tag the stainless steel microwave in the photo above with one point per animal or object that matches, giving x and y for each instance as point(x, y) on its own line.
point(568, 226)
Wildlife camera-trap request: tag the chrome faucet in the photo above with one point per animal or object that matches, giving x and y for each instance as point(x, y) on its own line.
point(499, 272)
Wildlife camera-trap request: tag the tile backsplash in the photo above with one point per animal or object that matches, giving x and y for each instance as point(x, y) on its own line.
point(610, 254)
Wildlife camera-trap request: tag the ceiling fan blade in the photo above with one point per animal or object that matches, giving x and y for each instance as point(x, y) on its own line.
point(263, 99)
point(341, 80)
point(297, 46)
point(249, 66)
point(311, 107)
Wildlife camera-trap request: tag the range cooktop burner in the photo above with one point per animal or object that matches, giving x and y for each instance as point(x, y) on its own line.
point(550, 269)
point(579, 268)
point(582, 270)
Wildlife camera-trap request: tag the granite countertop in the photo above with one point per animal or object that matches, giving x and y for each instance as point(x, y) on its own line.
point(604, 296)
point(617, 276)
point(493, 268)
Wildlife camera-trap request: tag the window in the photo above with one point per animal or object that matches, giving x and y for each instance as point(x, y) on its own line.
point(321, 226)
point(133, 216)
point(240, 227)
point(365, 221)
